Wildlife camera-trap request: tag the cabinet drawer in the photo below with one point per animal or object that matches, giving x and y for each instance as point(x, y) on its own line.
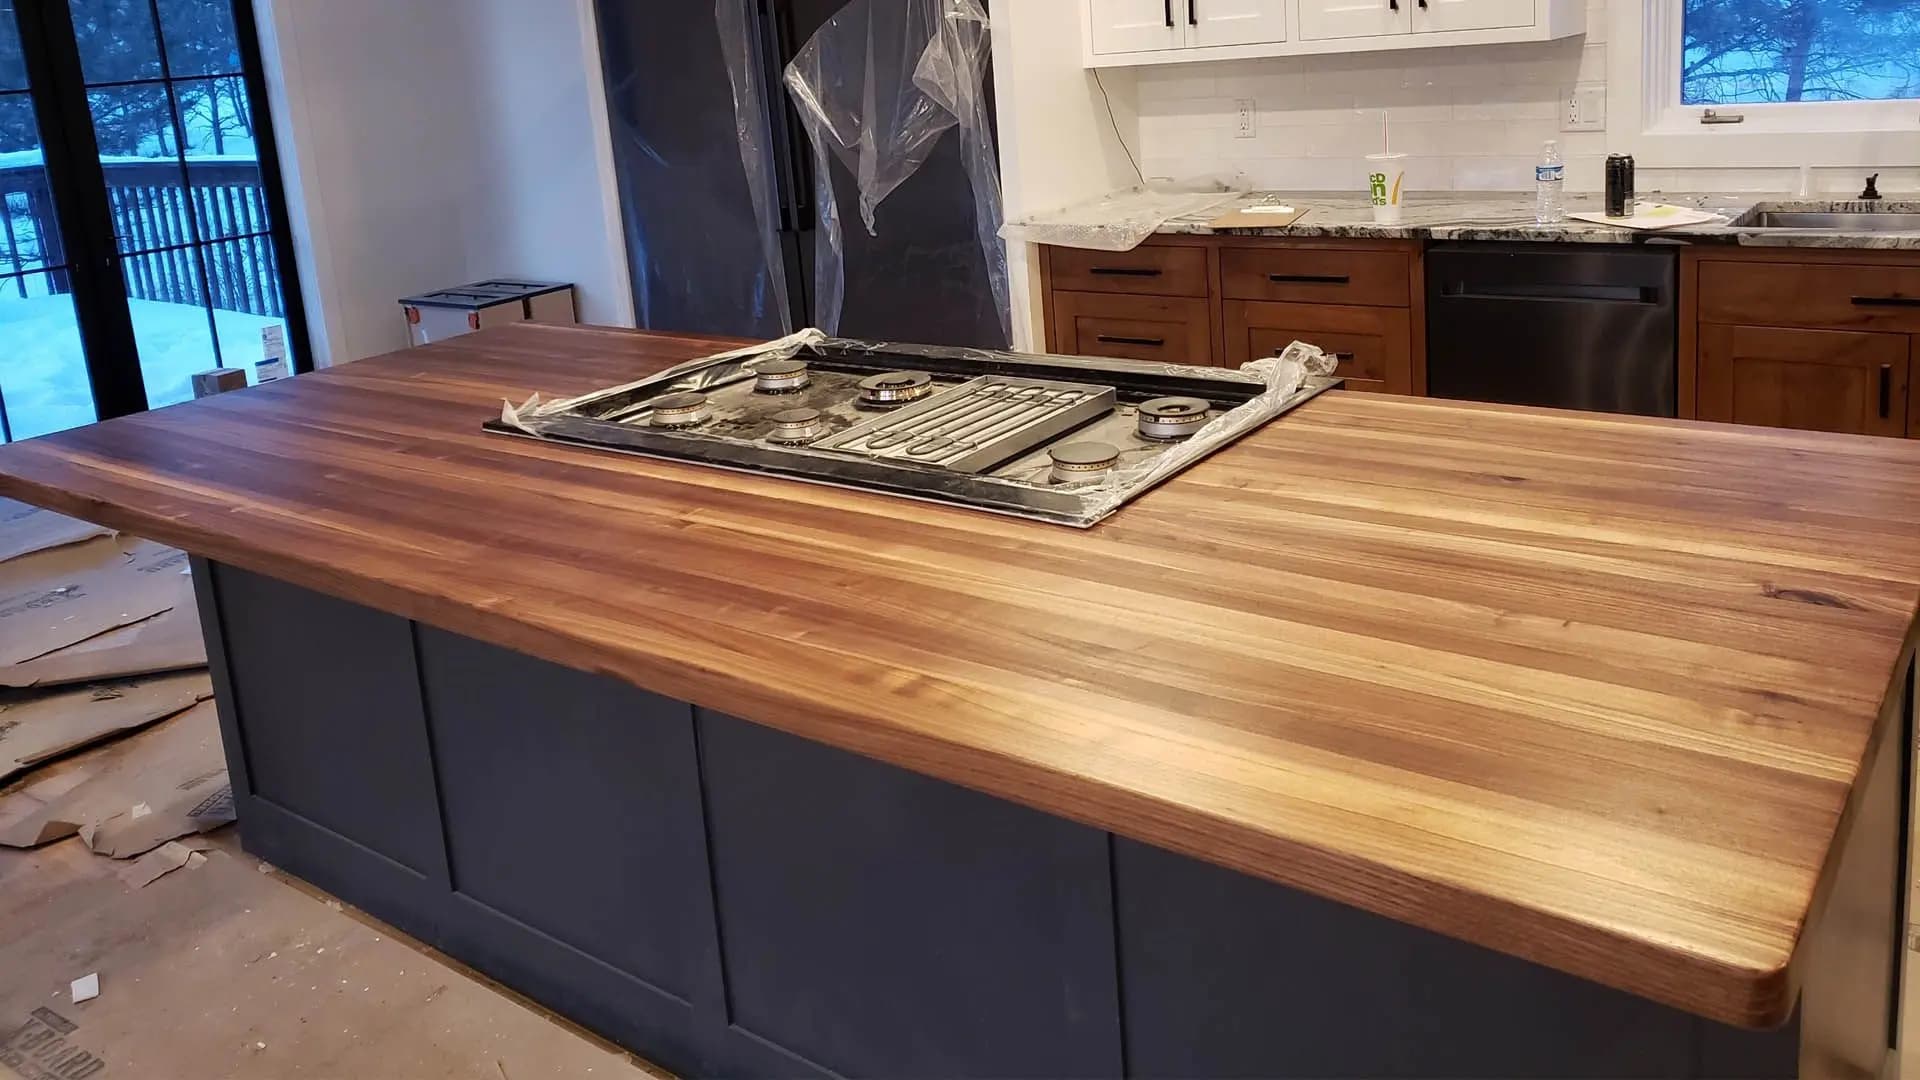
point(1805, 294)
point(1373, 345)
point(1315, 275)
point(1810, 380)
point(1150, 269)
point(1172, 330)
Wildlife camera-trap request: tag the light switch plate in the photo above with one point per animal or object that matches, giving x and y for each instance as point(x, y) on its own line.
point(1584, 108)
point(1243, 118)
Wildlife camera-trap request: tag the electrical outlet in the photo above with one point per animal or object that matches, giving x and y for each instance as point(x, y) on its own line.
point(1243, 121)
point(1584, 108)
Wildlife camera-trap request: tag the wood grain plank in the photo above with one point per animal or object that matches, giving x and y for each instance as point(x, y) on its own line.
point(1591, 690)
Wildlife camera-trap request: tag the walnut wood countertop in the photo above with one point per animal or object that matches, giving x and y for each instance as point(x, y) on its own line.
point(1589, 690)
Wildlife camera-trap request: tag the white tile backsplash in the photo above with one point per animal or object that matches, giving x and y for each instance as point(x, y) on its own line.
point(1470, 117)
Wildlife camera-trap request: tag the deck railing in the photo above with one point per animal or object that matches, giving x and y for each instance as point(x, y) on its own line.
point(155, 212)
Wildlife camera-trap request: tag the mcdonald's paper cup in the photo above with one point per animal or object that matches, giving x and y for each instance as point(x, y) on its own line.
point(1386, 186)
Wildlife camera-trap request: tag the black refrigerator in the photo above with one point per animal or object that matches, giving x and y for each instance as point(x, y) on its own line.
point(697, 250)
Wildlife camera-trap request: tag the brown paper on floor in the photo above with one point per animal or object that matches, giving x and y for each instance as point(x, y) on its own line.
point(52, 599)
point(170, 641)
point(38, 727)
point(26, 529)
point(221, 971)
point(128, 796)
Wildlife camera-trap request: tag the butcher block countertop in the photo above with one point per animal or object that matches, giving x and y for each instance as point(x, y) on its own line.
point(1588, 690)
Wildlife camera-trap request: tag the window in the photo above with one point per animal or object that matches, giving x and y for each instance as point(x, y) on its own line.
point(141, 235)
point(1822, 82)
point(1737, 52)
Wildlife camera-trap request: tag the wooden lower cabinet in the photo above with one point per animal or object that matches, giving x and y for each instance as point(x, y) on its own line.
point(1170, 329)
point(1812, 380)
point(1372, 344)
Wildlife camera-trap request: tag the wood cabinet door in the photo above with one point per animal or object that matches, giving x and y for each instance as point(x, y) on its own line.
point(1810, 380)
point(1433, 16)
point(1324, 19)
point(1123, 26)
point(1168, 329)
point(1373, 345)
point(1234, 22)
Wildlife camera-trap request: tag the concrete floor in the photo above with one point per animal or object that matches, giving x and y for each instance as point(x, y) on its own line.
point(230, 969)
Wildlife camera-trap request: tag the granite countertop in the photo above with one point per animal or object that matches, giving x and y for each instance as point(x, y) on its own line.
point(1454, 215)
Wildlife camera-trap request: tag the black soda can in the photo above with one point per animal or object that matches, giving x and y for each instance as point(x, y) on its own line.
point(1619, 185)
point(1633, 190)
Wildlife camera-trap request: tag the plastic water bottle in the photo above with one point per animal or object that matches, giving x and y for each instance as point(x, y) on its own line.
point(1548, 178)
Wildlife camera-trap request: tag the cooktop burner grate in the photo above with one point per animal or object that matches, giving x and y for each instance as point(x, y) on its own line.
point(977, 424)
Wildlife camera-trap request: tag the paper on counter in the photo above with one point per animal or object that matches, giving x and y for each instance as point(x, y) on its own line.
point(1648, 215)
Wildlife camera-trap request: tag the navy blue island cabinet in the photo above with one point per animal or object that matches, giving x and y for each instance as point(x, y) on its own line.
point(726, 899)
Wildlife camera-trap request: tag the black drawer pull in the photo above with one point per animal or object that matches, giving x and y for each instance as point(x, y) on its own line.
point(1886, 391)
point(1168, 5)
point(1125, 271)
point(1342, 357)
point(1117, 339)
point(1309, 279)
point(1886, 301)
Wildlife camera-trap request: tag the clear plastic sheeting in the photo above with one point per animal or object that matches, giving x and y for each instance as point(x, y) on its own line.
point(733, 19)
point(1116, 222)
point(877, 86)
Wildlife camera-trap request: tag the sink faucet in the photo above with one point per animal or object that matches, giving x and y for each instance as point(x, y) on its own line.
point(1873, 187)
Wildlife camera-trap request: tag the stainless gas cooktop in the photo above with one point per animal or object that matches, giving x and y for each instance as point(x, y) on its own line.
point(1055, 438)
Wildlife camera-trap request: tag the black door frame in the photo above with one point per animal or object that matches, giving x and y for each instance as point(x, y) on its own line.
point(89, 245)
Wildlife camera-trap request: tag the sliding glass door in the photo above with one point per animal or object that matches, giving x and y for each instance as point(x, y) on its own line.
point(139, 143)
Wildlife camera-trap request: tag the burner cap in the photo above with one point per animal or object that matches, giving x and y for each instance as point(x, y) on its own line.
point(895, 387)
point(781, 377)
point(797, 425)
point(1082, 460)
point(680, 410)
point(1173, 417)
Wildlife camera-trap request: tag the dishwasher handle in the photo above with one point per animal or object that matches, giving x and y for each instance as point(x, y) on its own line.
point(1607, 294)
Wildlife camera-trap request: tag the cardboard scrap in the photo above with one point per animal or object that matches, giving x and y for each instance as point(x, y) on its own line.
point(36, 728)
point(162, 861)
point(52, 599)
point(1266, 212)
point(129, 796)
point(169, 641)
point(26, 529)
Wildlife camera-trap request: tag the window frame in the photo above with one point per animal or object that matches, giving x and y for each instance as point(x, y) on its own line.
point(1643, 98)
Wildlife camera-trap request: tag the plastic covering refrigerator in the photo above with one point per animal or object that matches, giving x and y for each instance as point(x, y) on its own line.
point(793, 163)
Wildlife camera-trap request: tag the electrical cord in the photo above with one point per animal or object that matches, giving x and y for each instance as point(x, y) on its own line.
point(1111, 119)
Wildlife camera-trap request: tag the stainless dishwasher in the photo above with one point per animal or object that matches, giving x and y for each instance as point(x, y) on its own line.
point(1573, 326)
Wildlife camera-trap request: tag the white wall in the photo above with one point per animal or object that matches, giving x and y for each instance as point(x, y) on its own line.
point(549, 154)
point(432, 142)
point(1057, 145)
point(1472, 117)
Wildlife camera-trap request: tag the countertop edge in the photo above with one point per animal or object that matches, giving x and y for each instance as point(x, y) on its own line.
point(1752, 997)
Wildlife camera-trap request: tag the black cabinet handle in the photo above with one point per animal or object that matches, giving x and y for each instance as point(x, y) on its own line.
point(1423, 5)
point(1168, 6)
point(1886, 301)
point(1393, 4)
point(1118, 339)
point(1192, 19)
point(1308, 279)
point(1124, 271)
point(1886, 391)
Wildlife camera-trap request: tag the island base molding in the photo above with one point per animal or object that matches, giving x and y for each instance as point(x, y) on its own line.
point(724, 898)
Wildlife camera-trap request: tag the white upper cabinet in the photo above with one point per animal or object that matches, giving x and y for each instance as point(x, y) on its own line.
point(1120, 32)
point(1327, 20)
point(1128, 26)
point(1438, 16)
point(1234, 22)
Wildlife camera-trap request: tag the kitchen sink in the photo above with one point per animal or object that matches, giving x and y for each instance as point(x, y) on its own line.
point(1761, 218)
